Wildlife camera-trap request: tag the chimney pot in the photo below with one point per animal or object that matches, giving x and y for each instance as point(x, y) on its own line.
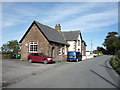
point(58, 27)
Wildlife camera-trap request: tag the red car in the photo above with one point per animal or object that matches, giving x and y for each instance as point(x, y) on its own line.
point(40, 57)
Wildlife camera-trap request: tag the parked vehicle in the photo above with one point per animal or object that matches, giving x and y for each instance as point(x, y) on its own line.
point(74, 56)
point(40, 57)
point(95, 55)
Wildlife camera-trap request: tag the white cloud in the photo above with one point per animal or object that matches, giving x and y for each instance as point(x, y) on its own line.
point(93, 22)
point(17, 14)
point(66, 10)
point(82, 16)
point(87, 17)
point(65, 14)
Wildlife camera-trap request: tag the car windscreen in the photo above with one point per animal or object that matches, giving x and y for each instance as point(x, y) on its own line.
point(78, 53)
point(35, 54)
point(42, 54)
point(71, 53)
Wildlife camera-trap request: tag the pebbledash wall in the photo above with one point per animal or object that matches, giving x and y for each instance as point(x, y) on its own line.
point(75, 45)
point(34, 35)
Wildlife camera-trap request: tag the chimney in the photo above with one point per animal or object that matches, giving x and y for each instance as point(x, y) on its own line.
point(58, 27)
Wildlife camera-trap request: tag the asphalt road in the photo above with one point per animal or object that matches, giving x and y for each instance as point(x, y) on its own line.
point(92, 73)
point(14, 70)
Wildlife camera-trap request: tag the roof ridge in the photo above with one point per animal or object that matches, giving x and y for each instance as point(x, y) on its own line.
point(44, 25)
point(58, 39)
point(72, 31)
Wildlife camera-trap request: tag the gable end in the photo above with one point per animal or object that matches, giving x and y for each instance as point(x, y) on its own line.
point(30, 29)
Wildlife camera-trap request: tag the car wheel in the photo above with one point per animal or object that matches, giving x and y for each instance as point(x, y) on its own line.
point(77, 60)
point(30, 60)
point(45, 61)
point(80, 59)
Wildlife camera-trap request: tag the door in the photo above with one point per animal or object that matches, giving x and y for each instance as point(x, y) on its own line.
point(52, 52)
point(36, 57)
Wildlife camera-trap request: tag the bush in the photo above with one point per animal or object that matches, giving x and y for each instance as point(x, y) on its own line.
point(100, 54)
point(115, 63)
point(118, 70)
point(118, 54)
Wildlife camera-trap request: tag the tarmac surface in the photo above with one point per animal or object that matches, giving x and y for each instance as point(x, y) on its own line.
point(92, 73)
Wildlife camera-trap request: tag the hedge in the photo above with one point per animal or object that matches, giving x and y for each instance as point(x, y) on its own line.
point(115, 62)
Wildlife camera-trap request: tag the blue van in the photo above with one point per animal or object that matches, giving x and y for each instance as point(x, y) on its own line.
point(74, 56)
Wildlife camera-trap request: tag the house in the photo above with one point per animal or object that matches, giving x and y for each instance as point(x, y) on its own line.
point(74, 38)
point(40, 38)
point(83, 48)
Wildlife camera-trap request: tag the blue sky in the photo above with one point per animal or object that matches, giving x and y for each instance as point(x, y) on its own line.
point(93, 19)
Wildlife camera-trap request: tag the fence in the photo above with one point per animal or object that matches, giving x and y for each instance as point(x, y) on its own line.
point(5, 56)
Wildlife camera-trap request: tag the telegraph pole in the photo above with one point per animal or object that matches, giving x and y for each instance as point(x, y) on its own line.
point(91, 46)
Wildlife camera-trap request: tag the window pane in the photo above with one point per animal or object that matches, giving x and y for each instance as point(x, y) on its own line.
point(35, 43)
point(35, 47)
point(36, 54)
point(31, 47)
point(31, 42)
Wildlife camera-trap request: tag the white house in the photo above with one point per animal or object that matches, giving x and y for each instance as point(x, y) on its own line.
point(74, 38)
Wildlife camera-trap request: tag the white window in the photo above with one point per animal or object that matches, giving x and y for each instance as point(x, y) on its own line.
point(60, 51)
point(33, 46)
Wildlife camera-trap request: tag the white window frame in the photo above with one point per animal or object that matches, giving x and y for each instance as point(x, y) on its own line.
point(60, 51)
point(34, 45)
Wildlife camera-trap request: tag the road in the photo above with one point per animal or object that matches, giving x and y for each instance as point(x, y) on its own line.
point(14, 70)
point(92, 73)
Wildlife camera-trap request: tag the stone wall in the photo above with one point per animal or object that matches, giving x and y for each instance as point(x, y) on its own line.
point(5, 56)
point(35, 35)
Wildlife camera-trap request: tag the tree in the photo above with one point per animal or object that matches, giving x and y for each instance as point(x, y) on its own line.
point(11, 47)
point(116, 44)
point(110, 34)
point(112, 42)
point(95, 51)
point(100, 48)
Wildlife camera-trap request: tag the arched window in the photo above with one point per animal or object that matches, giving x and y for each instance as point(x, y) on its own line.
point(52, 52)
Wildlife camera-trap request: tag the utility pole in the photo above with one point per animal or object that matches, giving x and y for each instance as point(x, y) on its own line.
point(91, 46)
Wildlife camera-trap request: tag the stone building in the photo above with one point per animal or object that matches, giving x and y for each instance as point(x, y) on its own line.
point(40, 38)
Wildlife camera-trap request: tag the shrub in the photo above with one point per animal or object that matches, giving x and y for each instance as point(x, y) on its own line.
point(115, 63)
point(118, 54)
point(118, 70)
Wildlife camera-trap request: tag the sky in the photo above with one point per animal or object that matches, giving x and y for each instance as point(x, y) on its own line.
point(93, 19)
